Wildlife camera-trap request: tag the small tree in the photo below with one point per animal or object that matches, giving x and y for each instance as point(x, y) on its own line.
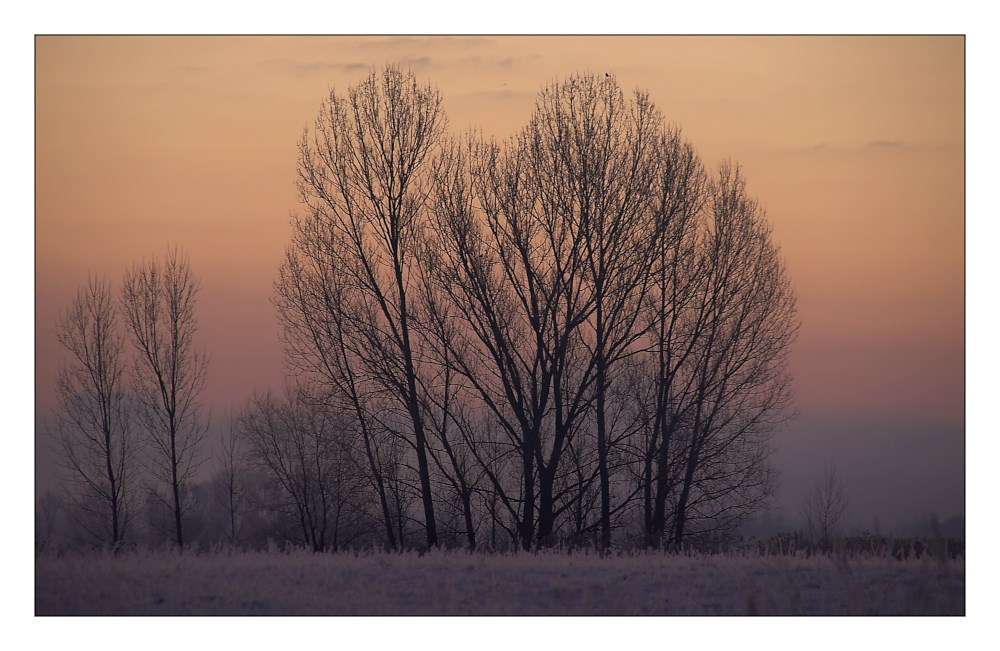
point(824, 508)
point(93, 420)
point(50, 520)
point(230, 491)
point(298, 441)
point(159, 301)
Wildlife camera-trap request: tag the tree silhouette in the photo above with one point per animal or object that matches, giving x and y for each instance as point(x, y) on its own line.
point(574, 331)
point(158, 300)
point(93, 418)
point(825, 507)
point(229, 484)
point(295, 439)
point(739, 367)
point(362, 181)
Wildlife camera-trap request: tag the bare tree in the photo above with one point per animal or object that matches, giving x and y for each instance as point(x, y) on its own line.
point(496, 266)
point(673, 325)
point(159, 304)
point(509, 261)
point(230, 491)
point(50, 520)
point(825, 507)
point(319, 313)
point(93, 418)
point(544, 250)
point(299, 442)
point(361, 178)
point(448, 408)
point(598, 166)
point(572, 330)
point(740, 386)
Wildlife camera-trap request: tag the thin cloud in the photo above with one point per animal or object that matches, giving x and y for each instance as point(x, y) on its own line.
point(306, 68)
point(418, 64)
point(827, 148)
point(884, 143)
point(507, 62)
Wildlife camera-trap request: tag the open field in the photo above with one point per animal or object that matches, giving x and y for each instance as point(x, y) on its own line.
point(460, 583)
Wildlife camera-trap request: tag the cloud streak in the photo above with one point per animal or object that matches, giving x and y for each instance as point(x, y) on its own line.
point(884, 144)
point(308, 68)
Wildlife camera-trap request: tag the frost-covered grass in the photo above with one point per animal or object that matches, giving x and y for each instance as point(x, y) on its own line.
point(462, 583)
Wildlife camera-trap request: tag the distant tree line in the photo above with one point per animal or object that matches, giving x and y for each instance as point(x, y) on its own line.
point(575, 336)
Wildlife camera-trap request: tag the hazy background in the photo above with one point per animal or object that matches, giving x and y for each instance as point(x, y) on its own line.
point(854, 144)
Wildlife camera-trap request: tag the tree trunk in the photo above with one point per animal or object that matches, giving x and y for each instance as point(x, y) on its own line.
point(423, 468)
point(175, 482)
point(546, 523)
point(602, 455)
point(528, 511)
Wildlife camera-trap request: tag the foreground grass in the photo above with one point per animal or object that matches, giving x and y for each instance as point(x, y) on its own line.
point(460, 583)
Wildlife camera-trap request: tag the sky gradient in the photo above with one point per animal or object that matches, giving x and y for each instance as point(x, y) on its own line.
point(855, 145)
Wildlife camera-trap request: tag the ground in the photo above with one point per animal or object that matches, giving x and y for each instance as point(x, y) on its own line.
point(462, 583)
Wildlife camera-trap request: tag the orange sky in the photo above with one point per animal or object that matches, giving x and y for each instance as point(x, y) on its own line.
point(854, 144)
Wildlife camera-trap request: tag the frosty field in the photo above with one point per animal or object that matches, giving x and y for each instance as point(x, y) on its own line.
point(462, 583)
